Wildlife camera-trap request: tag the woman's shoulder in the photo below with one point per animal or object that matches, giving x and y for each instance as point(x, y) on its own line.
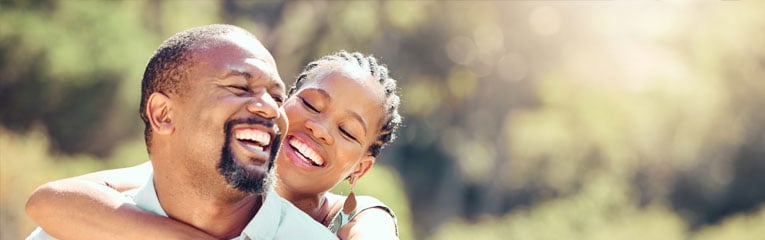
point(362, 201)
point(363, 205)
point(369, 212)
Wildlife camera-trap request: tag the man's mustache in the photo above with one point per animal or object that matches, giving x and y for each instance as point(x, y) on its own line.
point(251, 120)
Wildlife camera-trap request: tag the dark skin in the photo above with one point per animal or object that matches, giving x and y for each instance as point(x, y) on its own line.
point(42, 205)
point(339, 129)
point(188, 130)
point(187, 138)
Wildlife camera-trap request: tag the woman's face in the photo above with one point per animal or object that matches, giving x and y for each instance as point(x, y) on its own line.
point(333, 119)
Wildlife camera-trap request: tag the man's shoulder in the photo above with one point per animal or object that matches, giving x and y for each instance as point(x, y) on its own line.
point(39, 234)
point(277, 218)
point(296, 224)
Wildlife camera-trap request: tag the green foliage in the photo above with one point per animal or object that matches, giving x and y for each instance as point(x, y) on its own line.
point(523, 120)
point(741, 226)
point(63, 68)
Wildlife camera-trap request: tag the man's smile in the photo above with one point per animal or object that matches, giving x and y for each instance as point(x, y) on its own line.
point(253, 139)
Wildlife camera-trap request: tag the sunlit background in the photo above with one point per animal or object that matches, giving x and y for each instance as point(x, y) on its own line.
point(524, 119)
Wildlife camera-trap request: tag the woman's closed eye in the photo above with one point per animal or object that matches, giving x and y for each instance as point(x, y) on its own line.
point(348, 134)
point(309, 105)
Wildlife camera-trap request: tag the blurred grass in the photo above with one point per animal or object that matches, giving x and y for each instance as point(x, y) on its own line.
point(604, 209)
point(25, 163)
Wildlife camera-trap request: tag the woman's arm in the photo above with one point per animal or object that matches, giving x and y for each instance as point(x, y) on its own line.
point(372, 223)
point(91, 207)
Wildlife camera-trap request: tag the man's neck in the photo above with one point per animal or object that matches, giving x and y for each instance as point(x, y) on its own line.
point(221, 213)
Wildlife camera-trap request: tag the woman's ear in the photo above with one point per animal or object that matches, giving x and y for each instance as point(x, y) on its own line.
point(363, 167)
point(158, 112)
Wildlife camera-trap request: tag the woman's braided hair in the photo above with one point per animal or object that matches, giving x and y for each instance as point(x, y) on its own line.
point(392, 120)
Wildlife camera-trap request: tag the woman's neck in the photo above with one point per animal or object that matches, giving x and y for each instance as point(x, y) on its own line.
point(315, 205)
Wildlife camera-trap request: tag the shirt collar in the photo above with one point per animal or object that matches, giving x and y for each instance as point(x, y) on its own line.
point(266, 222)
point(146, 198)
point(263, 226)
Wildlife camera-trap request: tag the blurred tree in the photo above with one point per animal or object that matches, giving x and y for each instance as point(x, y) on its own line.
point(62, 66)
point(521, 117)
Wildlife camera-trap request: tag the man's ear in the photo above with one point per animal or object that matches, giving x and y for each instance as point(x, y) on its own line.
point(363, 167)
point(158, 111)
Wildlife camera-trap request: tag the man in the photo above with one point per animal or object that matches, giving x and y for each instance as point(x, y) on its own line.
point(211, 100)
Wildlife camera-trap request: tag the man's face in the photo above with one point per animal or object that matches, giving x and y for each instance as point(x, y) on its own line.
point(228, 117)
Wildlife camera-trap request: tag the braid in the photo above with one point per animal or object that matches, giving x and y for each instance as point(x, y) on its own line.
point(392, 119)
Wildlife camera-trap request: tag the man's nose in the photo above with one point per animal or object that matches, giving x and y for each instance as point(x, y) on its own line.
point(264, 105)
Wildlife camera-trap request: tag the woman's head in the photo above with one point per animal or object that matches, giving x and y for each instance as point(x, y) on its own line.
point(376, 70)
point(342, 110)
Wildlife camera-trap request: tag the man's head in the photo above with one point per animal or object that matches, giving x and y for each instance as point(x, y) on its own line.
point(210, 100)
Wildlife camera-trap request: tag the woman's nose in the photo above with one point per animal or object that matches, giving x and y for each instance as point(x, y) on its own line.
point(319, 131)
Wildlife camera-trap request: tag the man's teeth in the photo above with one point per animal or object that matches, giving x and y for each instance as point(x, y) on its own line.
point(307, 152)
point(254, 148)
point(259, 137)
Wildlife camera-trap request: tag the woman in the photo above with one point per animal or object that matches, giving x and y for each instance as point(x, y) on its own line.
point(342, 110)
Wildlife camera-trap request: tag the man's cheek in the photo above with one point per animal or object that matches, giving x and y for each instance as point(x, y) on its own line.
point(282, 122)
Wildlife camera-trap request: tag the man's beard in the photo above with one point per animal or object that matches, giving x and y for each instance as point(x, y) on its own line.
point(237, 175)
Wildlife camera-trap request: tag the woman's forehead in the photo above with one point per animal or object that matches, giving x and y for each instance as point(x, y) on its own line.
point(342, 70)
point(361, 95)
point(345, 83)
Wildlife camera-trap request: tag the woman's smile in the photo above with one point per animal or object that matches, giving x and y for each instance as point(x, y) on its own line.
point(306, 152)
point(302, 154)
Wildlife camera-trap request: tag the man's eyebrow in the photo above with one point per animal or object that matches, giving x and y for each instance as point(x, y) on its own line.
point(235, 73)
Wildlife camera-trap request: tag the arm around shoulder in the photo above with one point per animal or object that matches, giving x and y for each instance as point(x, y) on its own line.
point(53, 199)
point(90, 207)
point(62, 206)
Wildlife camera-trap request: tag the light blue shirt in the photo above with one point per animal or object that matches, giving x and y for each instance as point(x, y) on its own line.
point(276, 219)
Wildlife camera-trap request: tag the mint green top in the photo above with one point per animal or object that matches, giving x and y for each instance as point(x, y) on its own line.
point(362, 203)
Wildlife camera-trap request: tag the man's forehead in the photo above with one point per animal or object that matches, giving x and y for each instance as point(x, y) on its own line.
point(242, 40)
point(237, 54)
point(254, 68)
point(251, 44)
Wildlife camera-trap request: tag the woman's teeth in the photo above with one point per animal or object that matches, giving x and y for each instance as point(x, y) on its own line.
point(307, 152)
